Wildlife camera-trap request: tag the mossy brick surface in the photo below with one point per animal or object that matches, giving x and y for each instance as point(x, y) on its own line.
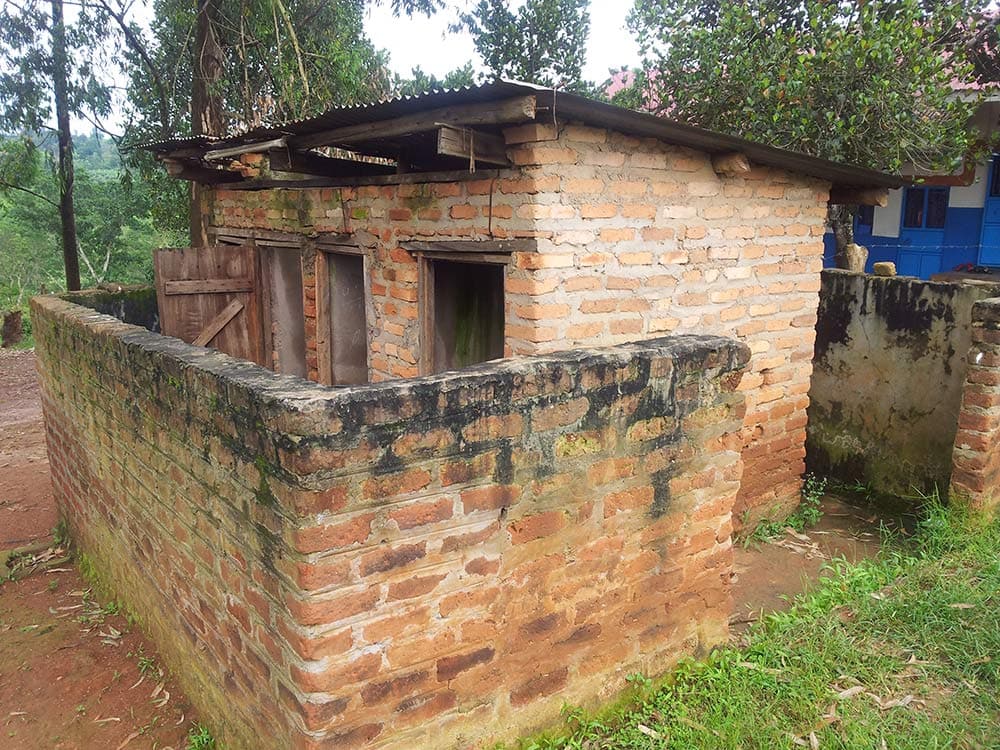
point(346, 567)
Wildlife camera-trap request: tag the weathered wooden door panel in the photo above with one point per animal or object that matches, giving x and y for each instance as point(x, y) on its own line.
point(211, 296)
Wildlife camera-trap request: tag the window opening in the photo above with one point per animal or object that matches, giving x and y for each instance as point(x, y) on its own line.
point(344, 320)
point(925, 208)
point(463, 313)
point(286, 316)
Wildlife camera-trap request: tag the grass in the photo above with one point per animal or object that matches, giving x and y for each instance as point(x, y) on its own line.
point(807, 514)
point(899, 652)
point(199, 738)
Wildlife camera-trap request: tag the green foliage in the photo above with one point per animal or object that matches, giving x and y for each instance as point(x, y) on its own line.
point(863, 83)
point(199, 738)
point(26, 63)
point(543, 42)
point(896, 652)
point(807, 514)
point(283, 60)
point(115, 224)
point(420, 82)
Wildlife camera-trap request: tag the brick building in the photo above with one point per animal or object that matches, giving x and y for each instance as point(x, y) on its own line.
point(442, 561)
point(583, 224)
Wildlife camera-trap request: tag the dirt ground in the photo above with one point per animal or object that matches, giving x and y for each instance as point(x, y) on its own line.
point(74, 675)
point(769, 576)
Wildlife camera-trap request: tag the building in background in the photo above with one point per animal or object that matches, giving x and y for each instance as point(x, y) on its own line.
point(939, 223)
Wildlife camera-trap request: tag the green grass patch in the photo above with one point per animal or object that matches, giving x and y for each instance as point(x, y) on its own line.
point(898, 652)
point(199, 738)
point(807, 514)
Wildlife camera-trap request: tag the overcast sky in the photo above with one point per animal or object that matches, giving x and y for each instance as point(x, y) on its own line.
point(427, 42)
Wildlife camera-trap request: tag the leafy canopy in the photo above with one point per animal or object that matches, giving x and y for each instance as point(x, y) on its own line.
point(543, 42)
point(420, 82)
point(866, 83)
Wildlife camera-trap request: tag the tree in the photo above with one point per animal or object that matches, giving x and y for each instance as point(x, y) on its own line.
point(37, 82)
point(420, 82)
point(209, 67)
point(544, 42)
point(866, 83)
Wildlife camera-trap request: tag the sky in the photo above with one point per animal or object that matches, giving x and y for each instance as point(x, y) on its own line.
point(428, 43)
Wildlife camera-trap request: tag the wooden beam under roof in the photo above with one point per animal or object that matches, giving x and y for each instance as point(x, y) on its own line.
point(307, 162)
point(457, 175)
point(518, 109)
point(859, 196)
point(475, 145)
point(185, 170)
point(247, 148)
point(516, 245)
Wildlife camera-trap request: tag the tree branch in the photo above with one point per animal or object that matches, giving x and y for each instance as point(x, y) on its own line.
point(11, 186)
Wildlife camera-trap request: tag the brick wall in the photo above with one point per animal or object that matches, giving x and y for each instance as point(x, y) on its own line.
point(636, 239)
point(344, 568)
point(888, 379)
point(975, 475)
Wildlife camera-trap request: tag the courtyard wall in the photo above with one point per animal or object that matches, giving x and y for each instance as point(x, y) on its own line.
point(890, 376)
point(349, 567)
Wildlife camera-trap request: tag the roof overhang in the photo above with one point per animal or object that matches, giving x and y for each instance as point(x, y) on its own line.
point(380, 137)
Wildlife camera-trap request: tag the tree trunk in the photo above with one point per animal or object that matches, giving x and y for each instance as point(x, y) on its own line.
point(206, 102)
point(848, 255)
point(60, 89)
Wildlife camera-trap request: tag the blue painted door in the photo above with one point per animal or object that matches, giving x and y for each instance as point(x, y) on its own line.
point(989, 245)
point(921, 233)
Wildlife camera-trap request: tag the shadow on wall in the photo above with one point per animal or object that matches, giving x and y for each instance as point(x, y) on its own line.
point(888, 378)
point(133, 304)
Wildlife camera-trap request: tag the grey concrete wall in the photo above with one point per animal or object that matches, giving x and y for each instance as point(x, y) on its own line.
point(888, 374)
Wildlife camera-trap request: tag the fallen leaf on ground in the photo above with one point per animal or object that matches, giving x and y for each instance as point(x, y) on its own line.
point(850, 692)
point(128, 740)
point(648, 732)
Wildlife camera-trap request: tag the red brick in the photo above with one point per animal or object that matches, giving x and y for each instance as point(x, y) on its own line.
point(493, 497)
point(539, 686)
point(451, 666)
point(421, 514)
point(333, 536)
point(389, 557)
point(535, 527)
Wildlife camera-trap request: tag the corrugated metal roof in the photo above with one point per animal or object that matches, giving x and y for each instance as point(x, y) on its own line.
point(562, 104)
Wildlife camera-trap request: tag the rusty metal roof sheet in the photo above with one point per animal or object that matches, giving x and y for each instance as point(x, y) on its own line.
point(553, 104)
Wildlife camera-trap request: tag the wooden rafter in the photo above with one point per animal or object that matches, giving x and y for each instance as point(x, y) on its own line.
point(471, 144)
point(518, 109)
point(859, 196)
point(185, 170)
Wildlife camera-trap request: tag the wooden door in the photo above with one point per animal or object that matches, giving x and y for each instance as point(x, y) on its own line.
point(210, 296)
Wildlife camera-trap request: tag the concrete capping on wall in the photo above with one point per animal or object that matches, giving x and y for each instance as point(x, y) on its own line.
point(975, 478)
point(888, 377)
point(348, 567)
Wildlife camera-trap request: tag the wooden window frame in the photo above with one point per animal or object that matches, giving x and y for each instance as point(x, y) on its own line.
point(324, 347)
point(425, 254)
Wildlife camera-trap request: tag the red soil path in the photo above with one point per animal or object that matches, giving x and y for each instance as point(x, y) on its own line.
point(68, 668)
